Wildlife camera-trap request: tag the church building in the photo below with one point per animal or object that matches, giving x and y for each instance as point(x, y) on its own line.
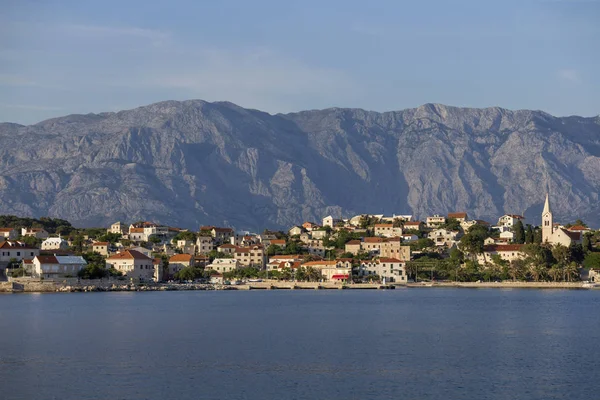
point(556, 235)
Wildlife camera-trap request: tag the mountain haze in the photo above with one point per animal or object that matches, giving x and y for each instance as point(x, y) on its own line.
point(193, 162)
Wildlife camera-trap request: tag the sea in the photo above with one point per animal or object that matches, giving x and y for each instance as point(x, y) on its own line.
point(412, 343)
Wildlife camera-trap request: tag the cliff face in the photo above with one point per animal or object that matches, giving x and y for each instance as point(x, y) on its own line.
point(192, 162)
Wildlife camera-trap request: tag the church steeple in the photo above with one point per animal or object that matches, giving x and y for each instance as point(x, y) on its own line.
point(547, 221)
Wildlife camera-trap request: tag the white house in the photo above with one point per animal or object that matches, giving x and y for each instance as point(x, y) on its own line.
point(444, 237)
point(556, 235)
point(387, 230)
point(54, 267)
point(8, 233)
point(55, 243)
point(17, 250)
point(39, 233)
point(392, 269)
point(222, 265)
point(509, 220)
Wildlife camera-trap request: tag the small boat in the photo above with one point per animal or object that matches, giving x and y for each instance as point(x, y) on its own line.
point(254, 280)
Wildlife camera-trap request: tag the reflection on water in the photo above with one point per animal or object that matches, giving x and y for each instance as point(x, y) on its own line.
point(415, 343)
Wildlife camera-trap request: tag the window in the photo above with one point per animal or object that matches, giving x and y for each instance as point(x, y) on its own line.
point(18, 253)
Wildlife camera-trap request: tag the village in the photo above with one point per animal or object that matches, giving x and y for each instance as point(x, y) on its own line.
point(366, 248)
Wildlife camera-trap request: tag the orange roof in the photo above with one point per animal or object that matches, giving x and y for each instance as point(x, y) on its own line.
point(277, 241)
point(457, 215)
point(136, 230)
point(388, 260)
point(181, 258)
point(373, 240)
point(100, 244)
point(384, 225)
point(6, 229)
point(579, 228)
point(412, 223)
point(129, 255)
point(354, 242)
point(227, 246)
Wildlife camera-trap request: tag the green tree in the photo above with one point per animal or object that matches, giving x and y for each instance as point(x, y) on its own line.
point(77, 244)
point(93, 271)
point(189, 274)
point(529, 234)
point(452, 224)
point(110, 237)
point(537, 236)
point(273, 250)
point(421, 244)
point(186, 235)
point(472, 243)
point(519, 232)
point(587, 242)
point(592, 261)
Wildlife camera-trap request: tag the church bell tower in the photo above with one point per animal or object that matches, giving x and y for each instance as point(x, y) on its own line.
point(547, 222)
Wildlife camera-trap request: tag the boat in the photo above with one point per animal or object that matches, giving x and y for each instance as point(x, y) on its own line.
point(590, 285)
point(254, 280)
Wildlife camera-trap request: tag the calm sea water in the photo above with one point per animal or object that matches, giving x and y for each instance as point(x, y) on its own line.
point(402, 344)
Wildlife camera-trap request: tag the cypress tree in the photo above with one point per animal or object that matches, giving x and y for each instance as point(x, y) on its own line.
point(519, 232)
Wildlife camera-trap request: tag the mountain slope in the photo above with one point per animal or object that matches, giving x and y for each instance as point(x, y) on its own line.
point(193, 162)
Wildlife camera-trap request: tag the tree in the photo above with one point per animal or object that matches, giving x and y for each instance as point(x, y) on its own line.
point(186, 235)
point(421, 244)
point(519, 232)
point(587, 242)
point(154, 239)
point(592, 261)
point(93, 271)
point(78, 243)
point(472, 243)
point(456, 257)
point(110, 237)
point(517, 269)
point(529, 234)
point(537, 236)
point(452, 224)
point(274, 249)
point(189, 274)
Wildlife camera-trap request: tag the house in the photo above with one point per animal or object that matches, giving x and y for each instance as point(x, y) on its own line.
point(508, 252)
point(390, 269)
point(331, 222)
point(556, 235)
point(318, 234)
point(55, 243)
point(414, 225)
point(316, 248)
point(251, 256)
point(353, 246)
point(386, 247)
point(159, 271)
point(278, 242)
point(204, 244)
point(309, 226)
point(118, 228)
point(100, 247)
point(221, 235)
point(295, 230)
point(132, 264)
point(226, 249)
point(335, 271)
point(8, 233)
point(137, 235)
point(222, 265)
point(435, 221)
point(444, 237)
point(38, 233)
point(186, 246)
point(388, 230)
point(18, 251)
point(509, 220)
point(179, 262)
point(55, 267)
point(143, 250)
point(579, 228)
point(459, 216)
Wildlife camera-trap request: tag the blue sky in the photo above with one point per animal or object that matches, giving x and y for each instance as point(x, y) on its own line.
point(62, 57)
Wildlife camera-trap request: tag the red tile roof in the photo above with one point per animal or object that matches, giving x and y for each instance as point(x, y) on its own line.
point(100, 244)
point(129, 255)
point(457, 215)
point(47, 260)
point(181, 258)
point(502, 247)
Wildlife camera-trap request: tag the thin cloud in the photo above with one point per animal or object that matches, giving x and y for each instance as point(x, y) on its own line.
point(569, 75)
point(111, 31)
point(32, 107)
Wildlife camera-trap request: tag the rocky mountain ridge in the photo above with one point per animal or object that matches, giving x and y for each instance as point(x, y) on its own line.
point(194, 162)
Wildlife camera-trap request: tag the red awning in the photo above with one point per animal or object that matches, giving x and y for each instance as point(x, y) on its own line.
point(339, 277)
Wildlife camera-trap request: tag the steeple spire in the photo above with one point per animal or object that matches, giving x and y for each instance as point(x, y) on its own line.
point(546, 205)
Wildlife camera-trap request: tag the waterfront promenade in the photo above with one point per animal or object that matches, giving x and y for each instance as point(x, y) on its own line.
point(105, 285)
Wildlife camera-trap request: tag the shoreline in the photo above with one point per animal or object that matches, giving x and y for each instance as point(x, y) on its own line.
point(114, 286)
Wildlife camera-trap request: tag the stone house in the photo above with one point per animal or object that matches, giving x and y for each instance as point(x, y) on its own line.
point(295, 230)
point(132, 264)
point(226, 249)
point(101, 248)
point(251, 256)
point(204, 244)
point(509, 220)
point(444, 237)
point(508, 252)
point(387, 230)
point(8, 234)
point(179, 262)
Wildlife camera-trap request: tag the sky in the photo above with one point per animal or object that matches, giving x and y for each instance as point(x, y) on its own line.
point(65, 57)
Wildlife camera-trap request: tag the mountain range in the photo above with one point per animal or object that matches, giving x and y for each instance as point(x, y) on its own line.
point(193, 162)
